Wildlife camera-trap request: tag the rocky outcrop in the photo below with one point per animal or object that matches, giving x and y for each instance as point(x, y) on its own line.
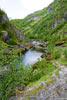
point(59, 3)
point(4, 18)
point(54, 88)
point(39, 46)
point(54, 24)
point(54, 16)
point(33, 18)
point(5, 36)
point(65, 16)
point(17, 32)
point(49, 9)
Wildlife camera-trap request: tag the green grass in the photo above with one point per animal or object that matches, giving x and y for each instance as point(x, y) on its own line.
point(43, 78)
point(51, 80)
point(39, 29)
point(63, 61)
point(57, 71)
point(46, 69)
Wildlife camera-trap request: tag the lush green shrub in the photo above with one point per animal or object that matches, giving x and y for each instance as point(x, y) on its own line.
point(4, 25)
point(65, 53)
point(56, 54)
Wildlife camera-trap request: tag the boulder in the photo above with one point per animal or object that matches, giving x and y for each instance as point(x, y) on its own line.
point(5, 36)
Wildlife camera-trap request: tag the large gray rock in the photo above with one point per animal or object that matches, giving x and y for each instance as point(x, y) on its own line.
point(4, 18)
point(5, 36)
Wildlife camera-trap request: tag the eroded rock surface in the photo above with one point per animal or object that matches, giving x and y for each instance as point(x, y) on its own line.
point(54, 88)
point(33, 18)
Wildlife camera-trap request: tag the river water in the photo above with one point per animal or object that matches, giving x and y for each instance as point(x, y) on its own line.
point(31, 57)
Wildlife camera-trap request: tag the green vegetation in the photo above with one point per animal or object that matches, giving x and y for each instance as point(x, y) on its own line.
point(50, 81)
point(57, 71)
point(2, 12)
point(48, 25)
point(14, 73)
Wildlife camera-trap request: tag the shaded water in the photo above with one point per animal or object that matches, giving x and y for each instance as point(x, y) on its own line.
point(31, 57)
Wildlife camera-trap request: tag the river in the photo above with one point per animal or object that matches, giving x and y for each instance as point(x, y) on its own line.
point(31, 57)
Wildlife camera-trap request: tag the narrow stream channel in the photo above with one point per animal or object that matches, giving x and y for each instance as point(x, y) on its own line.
point(31, 57)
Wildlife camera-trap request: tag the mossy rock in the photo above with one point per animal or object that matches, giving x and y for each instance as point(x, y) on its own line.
point(50, 81)
point(35, 90)
point(35, 66)
point(20, 50)
point(61, 41)
point(28, 46)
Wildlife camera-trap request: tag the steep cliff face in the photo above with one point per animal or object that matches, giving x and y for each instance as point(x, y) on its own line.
point(8, 32)
point(3, 17)
point(17, 32)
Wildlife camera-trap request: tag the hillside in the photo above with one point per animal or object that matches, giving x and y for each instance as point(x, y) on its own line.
point(44, 31)
point(38, 24)
point(8, 32)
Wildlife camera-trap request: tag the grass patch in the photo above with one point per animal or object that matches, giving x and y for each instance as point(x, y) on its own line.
point(57, 72)
point(62, 61)
point(50, 81)
point(46, 68)
point(44, 78)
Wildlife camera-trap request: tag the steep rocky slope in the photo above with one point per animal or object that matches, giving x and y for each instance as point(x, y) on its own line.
point(54, 88)
point(8, 32)
point(45, 23)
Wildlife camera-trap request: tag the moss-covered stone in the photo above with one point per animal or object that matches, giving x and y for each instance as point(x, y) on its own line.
point(61, 41)
point(51, 80)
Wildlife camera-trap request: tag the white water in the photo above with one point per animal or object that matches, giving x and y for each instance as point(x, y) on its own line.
point(31, 57)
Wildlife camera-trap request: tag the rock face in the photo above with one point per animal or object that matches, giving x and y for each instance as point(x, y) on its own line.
point(33, 18)
point(54, 88)
point(3, 18)
point(65, 16)
point(49, 9)
point(54, 16)
point(59, 3)
point(5, 36)
point(17, 32)
point(54, 24)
